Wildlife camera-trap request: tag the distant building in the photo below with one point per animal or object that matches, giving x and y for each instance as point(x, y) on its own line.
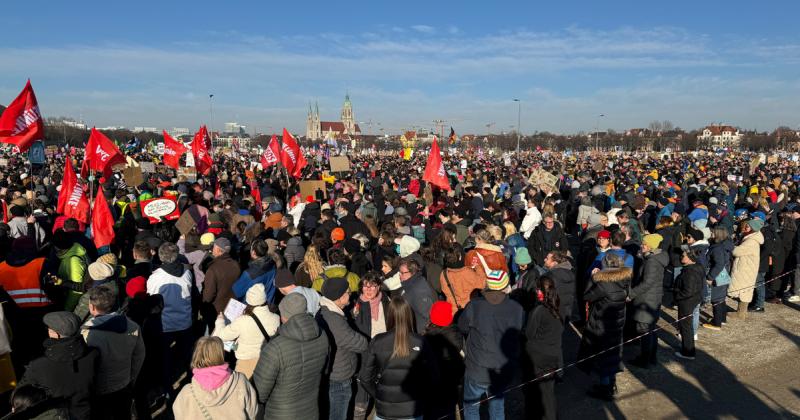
point(642, 132)
point(721, 135)
point(179, 131)
point(111, 128)
point(75, 124)
point(145, 130)
point(347, 127)
point(234, 128)
point(232, 142)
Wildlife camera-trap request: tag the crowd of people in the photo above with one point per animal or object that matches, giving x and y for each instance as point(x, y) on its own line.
point(381, 295)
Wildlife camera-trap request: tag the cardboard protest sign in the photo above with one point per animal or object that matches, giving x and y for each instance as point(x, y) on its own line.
point(148, 167)
point(772, 159)
point(340, 164)
point(310, 188)
point(133, 175)
point(185, 223)
point(156, 209)
point(189, 173)
point(754, 164)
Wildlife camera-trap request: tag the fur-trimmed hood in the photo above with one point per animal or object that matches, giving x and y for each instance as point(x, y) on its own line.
point(613, 275)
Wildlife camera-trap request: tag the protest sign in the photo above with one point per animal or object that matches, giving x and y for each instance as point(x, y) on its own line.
point(340, 164)
point(310, 188)
point(234, 310)
point(156, 209)
point(3, 162)
point(189, 173)
point(133, 175)
point(185, 223)
point(148, 167)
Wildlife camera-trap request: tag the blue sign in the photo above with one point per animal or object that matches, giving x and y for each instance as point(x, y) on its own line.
point(36, 153)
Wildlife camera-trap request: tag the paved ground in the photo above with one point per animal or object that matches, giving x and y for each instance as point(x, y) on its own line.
point(750, 370)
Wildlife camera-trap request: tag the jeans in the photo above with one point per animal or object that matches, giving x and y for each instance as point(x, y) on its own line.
point(720, 307)
point(473, 392)
point(695, 319)
point(339, 395)
point(761, 290)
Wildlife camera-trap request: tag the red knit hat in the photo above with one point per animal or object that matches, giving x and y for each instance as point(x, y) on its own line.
point(442, 313)
point(309, 198)
point(337, 234)
point(136, 286)
point(604, 234)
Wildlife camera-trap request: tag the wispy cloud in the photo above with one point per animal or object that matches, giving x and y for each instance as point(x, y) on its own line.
point(417, 73)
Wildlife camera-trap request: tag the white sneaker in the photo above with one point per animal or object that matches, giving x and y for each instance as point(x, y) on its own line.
point(794, 299)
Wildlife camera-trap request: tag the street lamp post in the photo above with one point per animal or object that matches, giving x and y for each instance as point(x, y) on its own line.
point(597, 133)
point(211, 117)
point(519, 114)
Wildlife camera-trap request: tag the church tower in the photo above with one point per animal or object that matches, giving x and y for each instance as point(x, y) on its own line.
point(313, 128)
point(347, 117)
point(316, 122)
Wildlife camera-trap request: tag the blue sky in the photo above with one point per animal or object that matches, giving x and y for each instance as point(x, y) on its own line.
point(408, 63)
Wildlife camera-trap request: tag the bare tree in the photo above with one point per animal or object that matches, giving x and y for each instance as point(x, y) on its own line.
point(666, 125)
point(655, 126)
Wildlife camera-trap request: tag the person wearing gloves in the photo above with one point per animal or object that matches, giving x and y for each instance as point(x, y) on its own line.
point(345, 346)
point(215, 391)
point(250, 330)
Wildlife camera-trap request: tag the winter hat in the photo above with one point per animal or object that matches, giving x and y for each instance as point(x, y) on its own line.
point(758, 215)
point(207, 239)
point(408, 245)
point(136, 286)
point(653, 240)
point(352, 245)
point(337, 234)
point(522, 256)
point(604, 234)
point(694, 233)
point(334, 287)
point(292, 304)
point(66, 324)
point(755, 224)
point(442, 313)
point(100, 271)
point(223, 244)
point(496, 280)
point(256, 296)
point(108, 258)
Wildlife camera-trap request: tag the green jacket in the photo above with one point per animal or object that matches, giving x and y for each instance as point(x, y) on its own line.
point(334, 271)
point(72, 270)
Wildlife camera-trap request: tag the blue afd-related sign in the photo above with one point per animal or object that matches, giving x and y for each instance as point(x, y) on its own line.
point(36, 153)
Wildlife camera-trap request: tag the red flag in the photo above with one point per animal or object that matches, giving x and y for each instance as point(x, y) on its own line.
point(256, 193)
point(72, 201)
point(201, 149)
point(102, 221)
point(21, 123)
point(5, 212)
point(434, 169)
point(271, 153)
point(101, 155)
point(291, 156)
point(173, 150)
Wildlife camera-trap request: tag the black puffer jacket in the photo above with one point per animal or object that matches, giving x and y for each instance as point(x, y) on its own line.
point(289, 370)
point(646, 295)
point(564, 278)
point(606, 295)
point(66, 371)
point(689, 285)
point(401, 386)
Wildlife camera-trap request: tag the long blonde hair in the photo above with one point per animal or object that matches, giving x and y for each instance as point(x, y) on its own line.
point(208, 352)
point(400, 320)
point(313, 262)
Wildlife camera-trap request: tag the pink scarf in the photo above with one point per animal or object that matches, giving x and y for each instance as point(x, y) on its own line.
point(212, 377)
point(374, 305)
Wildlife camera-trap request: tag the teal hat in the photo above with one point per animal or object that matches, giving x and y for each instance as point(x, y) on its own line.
point(522, 256)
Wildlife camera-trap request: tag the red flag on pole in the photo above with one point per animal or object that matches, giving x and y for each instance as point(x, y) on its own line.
point(291, 156)
point(102, 221)
point(101, 155)
point(173, 150)
point(201, 150)
point(434, 169)
point(72, 201)
point(21, 123)
point(271, 153)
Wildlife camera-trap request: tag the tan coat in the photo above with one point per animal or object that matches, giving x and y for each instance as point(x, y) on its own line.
point(746, 258)
point(235, 399)
point(464, 280)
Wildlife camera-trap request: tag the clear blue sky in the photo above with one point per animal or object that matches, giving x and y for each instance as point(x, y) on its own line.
point(406, 64)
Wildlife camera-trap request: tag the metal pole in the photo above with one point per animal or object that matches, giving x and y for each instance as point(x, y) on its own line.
point(211, 117)
point(519, 114)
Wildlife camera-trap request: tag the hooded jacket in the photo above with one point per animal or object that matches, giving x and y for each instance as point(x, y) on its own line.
point(688, 286)
point(335, 271)
point(174, 284)
point(420, 296)
point(745, 267)
point(235, 399)
point(66, 370)
point(294, 251)
point(564, 278)
point(646, 295)
point(289, 370)
point(246, 333)
point(606, 296)
point(261, 270)
point(121, 348)
point(71, 270)
point(493, 254)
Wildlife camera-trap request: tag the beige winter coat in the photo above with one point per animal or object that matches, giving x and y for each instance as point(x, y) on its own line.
point(245, 332)
point(746, 258)
point(235, 399)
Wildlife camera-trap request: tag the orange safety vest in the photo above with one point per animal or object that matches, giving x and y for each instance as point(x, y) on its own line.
point(23, 284)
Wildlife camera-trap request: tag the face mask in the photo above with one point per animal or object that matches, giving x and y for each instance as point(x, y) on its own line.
point(397, 249)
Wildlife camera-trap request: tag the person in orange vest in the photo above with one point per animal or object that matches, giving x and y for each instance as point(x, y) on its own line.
point(22, 277)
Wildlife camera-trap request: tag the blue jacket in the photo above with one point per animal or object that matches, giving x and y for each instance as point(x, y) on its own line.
point(261, 270)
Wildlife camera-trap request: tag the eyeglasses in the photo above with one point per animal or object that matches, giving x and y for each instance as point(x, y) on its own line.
point(405, 272)
point(369, 286)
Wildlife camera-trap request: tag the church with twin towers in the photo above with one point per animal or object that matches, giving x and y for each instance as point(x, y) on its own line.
point(346, 128)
